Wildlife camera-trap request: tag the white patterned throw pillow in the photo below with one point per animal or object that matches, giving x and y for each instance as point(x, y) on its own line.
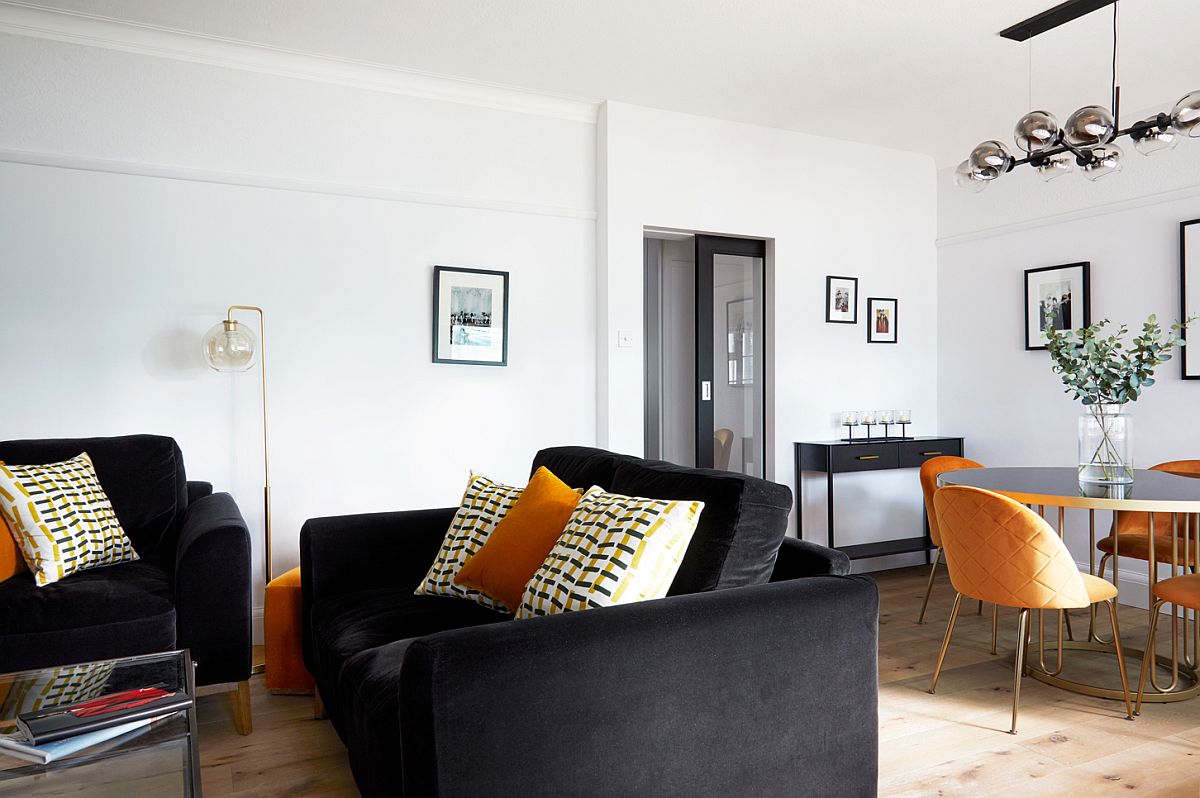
point(483, 505)
point(614, 550)
point(61, 519)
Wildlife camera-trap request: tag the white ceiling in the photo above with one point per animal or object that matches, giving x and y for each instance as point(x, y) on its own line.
point(928, 76)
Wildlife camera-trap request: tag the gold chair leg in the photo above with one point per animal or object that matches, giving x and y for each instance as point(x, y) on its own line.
point(1067, 617)
point(1116, 630)
point(995, 618)
point(1019, 664)
point(243, 723)
point(1103, 562)
point(1147, 655)
point(937, 671)
point(937, 555)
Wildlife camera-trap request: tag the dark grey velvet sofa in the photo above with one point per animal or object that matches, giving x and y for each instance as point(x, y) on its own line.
point(756, 676)
point(189, 589)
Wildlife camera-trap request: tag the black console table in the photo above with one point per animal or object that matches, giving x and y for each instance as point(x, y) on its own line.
point(876, 454)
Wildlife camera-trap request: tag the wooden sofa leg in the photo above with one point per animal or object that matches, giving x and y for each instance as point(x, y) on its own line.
point(242, 720)
point(318, 706)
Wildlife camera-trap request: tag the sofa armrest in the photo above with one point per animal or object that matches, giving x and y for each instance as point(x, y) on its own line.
point(212, 590)
point(348, 553)
point(763, 690)
point(800, 558)
point(198, 490)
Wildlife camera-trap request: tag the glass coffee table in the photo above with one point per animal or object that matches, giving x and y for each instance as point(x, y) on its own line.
point(161, 759)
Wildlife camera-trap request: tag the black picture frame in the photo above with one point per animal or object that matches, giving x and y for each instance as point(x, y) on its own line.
point(1082, 273)
point(1189, 275)
point(891, 334)
point(444, 329)
point(829, 312)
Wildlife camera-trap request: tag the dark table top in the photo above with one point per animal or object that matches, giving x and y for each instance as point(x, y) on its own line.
point(1060, 487)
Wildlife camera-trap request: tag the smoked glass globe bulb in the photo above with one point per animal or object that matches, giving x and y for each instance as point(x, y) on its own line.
point(1185, 116)
point(989, 160)
point(1090, 126)
point(1054, 166)
point(230, 346)
point(965, 178)
point(1036, 131)
point(1106, 160)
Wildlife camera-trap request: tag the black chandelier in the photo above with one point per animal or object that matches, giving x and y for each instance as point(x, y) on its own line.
point(1086, 140)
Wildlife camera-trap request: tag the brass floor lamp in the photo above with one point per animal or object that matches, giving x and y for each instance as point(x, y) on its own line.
point(231, 346)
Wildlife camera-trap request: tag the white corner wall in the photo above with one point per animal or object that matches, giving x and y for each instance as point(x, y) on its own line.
point(1006, 400)
point(828, 207)
point(140, 195)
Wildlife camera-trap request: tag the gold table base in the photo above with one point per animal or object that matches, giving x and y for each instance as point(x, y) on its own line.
point(1114, 694)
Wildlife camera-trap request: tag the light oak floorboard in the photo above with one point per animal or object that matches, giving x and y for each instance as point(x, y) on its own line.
point(953, 743)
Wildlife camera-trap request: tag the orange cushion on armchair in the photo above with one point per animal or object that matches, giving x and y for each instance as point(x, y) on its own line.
point(521, 541)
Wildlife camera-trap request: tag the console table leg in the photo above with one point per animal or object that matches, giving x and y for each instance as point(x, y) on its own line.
point(829, 505)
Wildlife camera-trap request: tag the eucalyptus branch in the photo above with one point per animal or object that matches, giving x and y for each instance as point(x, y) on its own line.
point(1111, 370)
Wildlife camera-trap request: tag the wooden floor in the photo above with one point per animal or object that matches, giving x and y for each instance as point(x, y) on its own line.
point(953, 743)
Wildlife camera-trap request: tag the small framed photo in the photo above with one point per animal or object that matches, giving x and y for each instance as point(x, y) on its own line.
point(841, 300)
point(1057, 297)
point(470, 316)
point(1189, 294)
point(881, 320)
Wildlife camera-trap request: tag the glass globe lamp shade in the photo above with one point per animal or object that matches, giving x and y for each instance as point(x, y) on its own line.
point(965, 178)
point(1036, 131)
point(1185, 116)
point(1054, 166)
point(230, 346)
point(1090, 126)
point(989, 160)
point(1155, 141)
point(1106, 160)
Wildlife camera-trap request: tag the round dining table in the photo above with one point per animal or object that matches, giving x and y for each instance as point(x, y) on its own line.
point(1153, 492)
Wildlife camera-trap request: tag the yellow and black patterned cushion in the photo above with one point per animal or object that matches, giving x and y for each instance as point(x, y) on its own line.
point(483, 505)
point(614, 550)
point(61, 518)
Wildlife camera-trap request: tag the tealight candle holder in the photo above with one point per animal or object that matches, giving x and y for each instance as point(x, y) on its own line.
point(886, 418)
point(903, 418)
point(849, 421)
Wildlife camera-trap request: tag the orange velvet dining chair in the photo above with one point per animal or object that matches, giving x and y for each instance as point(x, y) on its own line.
point(1133, 529)
point(930, 471)
point(1182, 591)
point(999, 550)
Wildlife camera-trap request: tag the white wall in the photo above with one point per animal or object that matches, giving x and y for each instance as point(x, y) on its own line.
point(829, 207)
point(140, 195)
point(1006, 401)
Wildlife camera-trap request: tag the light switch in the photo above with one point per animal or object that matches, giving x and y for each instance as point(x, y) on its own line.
point(624, 339)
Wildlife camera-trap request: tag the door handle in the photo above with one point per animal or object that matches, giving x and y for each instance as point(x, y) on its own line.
point(706, 391)
point(868, 457)
point(929, 454)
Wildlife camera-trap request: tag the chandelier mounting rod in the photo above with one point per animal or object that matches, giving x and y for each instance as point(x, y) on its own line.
point(1049, 20)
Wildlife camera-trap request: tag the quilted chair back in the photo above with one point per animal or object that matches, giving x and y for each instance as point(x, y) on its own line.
point(930, 470)
point(1140, 522)
point(1000, 551)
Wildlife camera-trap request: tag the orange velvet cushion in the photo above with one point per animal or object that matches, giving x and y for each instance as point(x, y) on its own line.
point(521, 541)
point(11, 561)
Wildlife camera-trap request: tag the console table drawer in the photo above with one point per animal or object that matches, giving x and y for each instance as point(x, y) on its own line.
point(864, 457)
point(914, 453)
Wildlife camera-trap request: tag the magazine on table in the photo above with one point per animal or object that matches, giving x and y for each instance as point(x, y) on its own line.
point(55, 723)
point(100, 739)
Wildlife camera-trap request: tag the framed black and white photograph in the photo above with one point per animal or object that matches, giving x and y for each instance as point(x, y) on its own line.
point(841, 300)
point(739, 337)
point(470, 316)
point(1057, 297)
point(1189, 294)
point(881, 320)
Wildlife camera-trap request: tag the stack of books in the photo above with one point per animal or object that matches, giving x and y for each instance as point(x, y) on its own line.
point(51, 733)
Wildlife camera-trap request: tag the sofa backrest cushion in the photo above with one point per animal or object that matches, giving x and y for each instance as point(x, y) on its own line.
point(580, 466)
point(142, 475)
point(740, 530)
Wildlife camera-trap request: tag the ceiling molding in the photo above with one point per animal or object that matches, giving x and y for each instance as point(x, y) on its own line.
point(192, 174)
point(24, 19)
point(1071, 216)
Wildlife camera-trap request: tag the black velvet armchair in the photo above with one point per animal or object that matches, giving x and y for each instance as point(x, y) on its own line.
point(755, 676)
point(190, 587)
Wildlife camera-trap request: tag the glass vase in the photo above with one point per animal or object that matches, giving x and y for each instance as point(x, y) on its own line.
point(1106, 445)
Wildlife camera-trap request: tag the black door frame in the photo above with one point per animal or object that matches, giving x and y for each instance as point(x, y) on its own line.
point(706, 248)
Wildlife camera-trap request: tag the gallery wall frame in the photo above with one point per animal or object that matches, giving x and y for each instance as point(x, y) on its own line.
point(470, 316)
point(841, 300)
point(1189, 294)
point(882, 320)
point(1061, 295)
